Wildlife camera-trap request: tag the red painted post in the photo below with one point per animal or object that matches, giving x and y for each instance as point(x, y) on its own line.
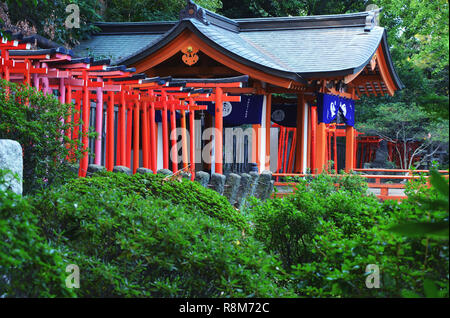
point(321, 148)
point(192, 139)
point(280, 149)
point(218, 135)
point(145, 136)
point(173, 136)
point(109, 158)
point(335, 152)
point(76, 120)
point(68, 132)
point(313, 138)
point(122, 131)
point(136, 137)
point(268, 123)
point(184, 151)
point(85, 127)
point(98, 125)
point(285, 151)
point(293, 147)
point(349, 148)
point(69, 115)
point(129, 135)
point(153, 135)
point(165, 132)
point(299, 134)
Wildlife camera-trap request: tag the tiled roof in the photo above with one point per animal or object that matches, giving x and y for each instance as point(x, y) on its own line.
point(292, 47)
point(115, 47)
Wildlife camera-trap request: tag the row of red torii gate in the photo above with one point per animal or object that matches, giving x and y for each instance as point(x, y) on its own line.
point(157, 106)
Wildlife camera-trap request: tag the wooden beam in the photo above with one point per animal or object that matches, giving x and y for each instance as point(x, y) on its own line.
point(186, 71)
point(351, 77)
point(384, 71)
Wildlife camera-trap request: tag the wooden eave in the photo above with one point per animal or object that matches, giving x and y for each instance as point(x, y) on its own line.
point(188, 38)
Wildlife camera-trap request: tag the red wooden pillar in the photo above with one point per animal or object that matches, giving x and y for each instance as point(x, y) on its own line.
point(145, 136)
point(349, 148)
point(68, 132)
point(192, 139)
point(173, 136)
point(76, 120)
point(165, 132)
point(256, 145)
point(85, 127)
point(136, 137)
point(321, 147)
point(69, 115)
point(308, 142)
point(299, 134)
point(184, 151)
point(129, 136)
point(285, 150)
point(119, 137)
point(268, 126)
point(328, 143)
point(290, 167)
point(218, 135)
point(313, 139)
point(335, 151)
point(122, 130)
point(5, 56)
point(154, 137)
point(280, 148)
point(109, 158)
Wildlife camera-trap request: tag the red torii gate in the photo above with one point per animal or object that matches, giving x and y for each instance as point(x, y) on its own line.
point(76, 78)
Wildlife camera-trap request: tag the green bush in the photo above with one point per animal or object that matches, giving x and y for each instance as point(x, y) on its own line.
point(29, 267)
point(37, 127)
point(130, 244)
point(327, 235)
point(284, 229)
point(189, 194)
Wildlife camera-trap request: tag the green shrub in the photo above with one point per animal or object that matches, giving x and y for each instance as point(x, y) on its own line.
point(189, 194)
point(337, 232)
point(29, 267)
point(128, 244)
point(37, 127)
point(283, 229)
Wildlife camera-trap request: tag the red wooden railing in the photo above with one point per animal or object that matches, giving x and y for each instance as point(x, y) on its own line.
point(377, 184)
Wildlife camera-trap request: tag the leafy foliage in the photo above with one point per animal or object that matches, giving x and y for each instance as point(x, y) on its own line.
point(130, 244)
point(186, 193)
point(418, 37)
point(431, 199)
point(34, 120)
point(48, 18)
point(403, 124)
point(141, 10)
point(29, 267)
point(277, 8)
point(327, 235)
